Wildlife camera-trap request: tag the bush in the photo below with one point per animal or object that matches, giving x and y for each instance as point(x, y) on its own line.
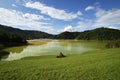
point(113, 44)
point(3, 53)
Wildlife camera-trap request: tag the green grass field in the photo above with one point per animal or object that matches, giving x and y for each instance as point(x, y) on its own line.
point(94, 65)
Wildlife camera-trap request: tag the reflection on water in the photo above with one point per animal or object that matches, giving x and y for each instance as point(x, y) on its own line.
point(50, 48)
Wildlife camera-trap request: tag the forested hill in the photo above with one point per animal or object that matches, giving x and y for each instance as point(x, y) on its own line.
point(26, 34)
point(100, 34)
point(95, 34)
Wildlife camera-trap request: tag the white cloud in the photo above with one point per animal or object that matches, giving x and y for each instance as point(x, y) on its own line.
point(68, 28)
point(113, 27)
point(14, 5)
point(89, 8)
point(97, 3)
point(80, 26)
point(104, 18)
point(107, 18)
point(84, 25)
point(18, 19)
point(53, 30)
point(53, 12)
point(100, 12)
point(34, 16)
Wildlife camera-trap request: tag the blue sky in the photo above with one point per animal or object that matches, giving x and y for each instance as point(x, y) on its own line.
point(56, 16)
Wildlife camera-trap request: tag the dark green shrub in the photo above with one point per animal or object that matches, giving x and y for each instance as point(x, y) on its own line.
point(113, 44)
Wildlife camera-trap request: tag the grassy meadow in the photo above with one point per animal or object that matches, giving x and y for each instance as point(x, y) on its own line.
point(94, 65)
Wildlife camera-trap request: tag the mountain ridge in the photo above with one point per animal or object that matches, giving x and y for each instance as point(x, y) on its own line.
point(101, 33)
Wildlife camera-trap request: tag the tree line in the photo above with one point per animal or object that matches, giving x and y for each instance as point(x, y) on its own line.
point(11, 39)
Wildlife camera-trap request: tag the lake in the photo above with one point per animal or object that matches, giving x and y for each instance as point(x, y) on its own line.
point(52, 47)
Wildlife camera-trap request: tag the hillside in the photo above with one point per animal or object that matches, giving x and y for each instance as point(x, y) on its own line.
point(96, 34)
point(26, 34)
point(100, 34)
point(67, 35)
